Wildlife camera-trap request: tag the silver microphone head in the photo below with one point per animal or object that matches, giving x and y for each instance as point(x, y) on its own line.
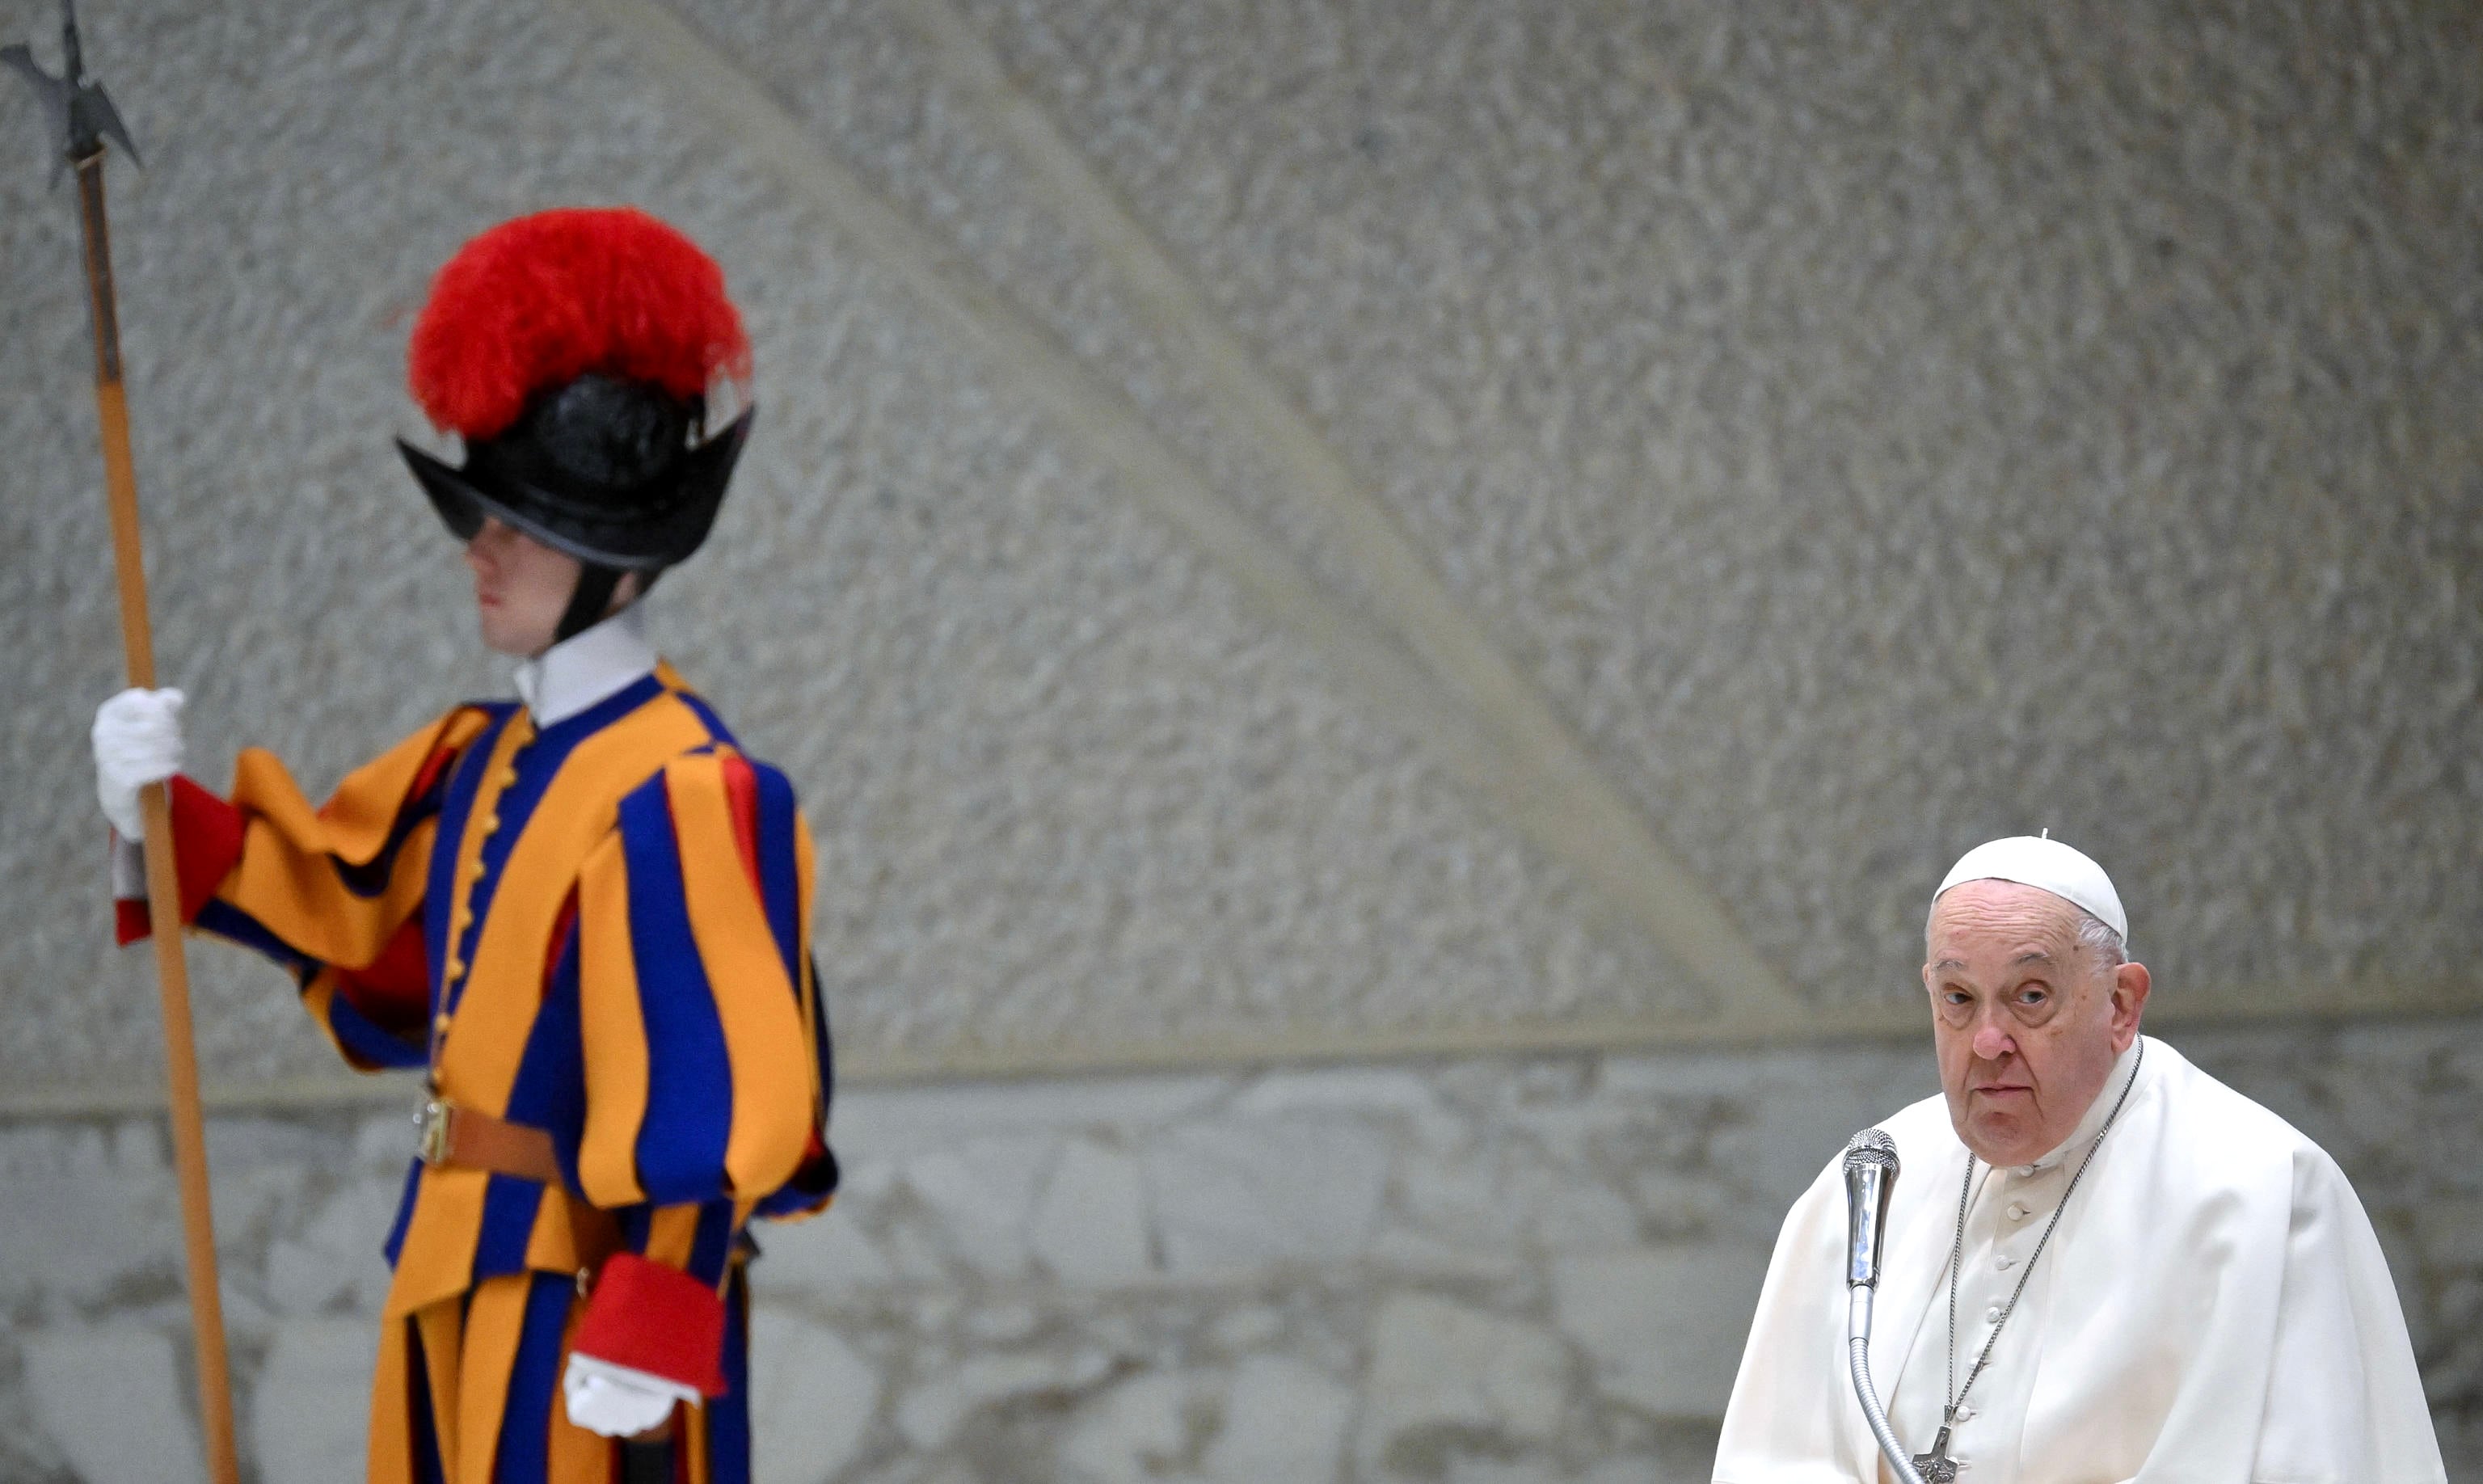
point(1870, 1179)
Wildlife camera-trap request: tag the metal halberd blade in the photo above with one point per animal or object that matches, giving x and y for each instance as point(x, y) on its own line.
point(81, 115)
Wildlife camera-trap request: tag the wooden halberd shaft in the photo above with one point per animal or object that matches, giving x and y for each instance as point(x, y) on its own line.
point(163, 879)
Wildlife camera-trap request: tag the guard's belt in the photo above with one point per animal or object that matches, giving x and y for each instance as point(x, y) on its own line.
point(467, 1139)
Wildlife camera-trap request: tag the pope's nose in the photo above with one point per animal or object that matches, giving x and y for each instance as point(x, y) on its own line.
point(1991, 1043)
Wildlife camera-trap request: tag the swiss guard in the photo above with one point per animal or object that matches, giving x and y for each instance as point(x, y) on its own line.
point(584, 913)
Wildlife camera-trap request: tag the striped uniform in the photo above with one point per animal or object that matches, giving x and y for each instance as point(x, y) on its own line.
point(601, 929)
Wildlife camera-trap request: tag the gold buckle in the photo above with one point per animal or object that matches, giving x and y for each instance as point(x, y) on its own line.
point(435, 1118)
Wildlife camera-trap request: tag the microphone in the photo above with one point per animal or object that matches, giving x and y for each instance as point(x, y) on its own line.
point(1870, 1179)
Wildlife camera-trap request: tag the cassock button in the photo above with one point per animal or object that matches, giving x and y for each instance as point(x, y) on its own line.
point(1965, 1413)
point(2006, 1264)
point(440, 1025)
point(1993, 1314)
point(2016, 1210)
point(2025, 1172)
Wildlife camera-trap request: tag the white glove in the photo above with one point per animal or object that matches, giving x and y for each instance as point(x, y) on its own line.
point(137, 742)
point(615, 1401)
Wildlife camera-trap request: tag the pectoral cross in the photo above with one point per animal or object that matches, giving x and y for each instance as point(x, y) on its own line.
point(1936, 1467)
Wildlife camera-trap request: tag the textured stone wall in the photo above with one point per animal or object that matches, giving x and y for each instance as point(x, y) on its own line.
point(1526, 1269)
point(1872, 429)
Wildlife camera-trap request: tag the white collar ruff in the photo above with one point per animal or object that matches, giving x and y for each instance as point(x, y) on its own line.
point(587, 667)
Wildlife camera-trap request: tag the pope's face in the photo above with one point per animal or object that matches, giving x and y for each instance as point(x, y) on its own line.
point(2026, 1019)
point(522, 587)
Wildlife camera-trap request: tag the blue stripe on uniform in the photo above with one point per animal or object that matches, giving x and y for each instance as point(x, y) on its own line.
point(728, 1417)
point(688, 1118)
point(636, 1222)
point(524, 1453)
point(537, 762)
point(551, 1088)
point(424, 1428)
point(510, 1206)
point(713, 1243)
point(363, 1036)
point(231, 923)
point(779, 872)
point(714, 723)
point(395, 1242)
point(371, 877)
point(454, 810)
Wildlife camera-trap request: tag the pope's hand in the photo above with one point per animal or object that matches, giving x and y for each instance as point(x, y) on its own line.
point(616, 1401)
point(137, 742)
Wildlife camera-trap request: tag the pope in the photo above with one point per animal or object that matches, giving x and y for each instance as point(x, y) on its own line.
point(2101, 1265)
point(583, 914)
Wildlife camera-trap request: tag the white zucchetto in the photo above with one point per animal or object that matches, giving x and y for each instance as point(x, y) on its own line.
point(2045, 864)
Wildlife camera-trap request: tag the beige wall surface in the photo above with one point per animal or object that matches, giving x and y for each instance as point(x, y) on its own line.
point(1340, 528)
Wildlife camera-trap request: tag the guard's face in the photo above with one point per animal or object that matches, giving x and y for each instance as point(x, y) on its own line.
point(521, 588)
point(2026, 1020)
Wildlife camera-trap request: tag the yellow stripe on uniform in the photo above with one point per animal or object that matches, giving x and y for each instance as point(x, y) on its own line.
point(692, 1422)
point(499, 773)
point(569, 1235)
point(442, 1326)
point(319, 999)
point(438, 1259)
point(390, 1452)
point(285, 879)
point(672, 1230)
point(495, 1322)
point(772, 1098)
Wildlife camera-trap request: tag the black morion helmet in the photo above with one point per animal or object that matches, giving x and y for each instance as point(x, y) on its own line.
point(573, 351)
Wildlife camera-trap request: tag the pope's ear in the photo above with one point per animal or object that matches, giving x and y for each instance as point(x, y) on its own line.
point(2129, 985)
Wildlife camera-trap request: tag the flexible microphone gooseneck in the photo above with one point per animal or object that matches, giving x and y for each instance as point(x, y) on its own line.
point(1870, 1179)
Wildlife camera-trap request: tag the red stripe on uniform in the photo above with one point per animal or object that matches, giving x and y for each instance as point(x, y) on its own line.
point(741, 801)
point(562, 928)
point(394, 993)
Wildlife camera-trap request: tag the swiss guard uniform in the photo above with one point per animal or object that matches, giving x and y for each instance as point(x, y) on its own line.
point(584, 914)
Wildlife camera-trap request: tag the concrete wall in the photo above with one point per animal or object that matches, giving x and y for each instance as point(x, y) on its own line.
point(1767, 450)
point(1535, 1268)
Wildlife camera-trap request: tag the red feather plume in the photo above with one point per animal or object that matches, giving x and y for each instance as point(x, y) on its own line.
point(540, 299)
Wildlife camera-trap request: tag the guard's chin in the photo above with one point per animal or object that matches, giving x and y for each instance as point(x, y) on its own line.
point(497, 639)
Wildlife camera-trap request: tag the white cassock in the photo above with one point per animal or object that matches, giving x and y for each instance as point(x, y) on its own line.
point(2214, 1307)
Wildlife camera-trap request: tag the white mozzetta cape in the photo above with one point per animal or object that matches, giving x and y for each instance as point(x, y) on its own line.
point(2214, 1307)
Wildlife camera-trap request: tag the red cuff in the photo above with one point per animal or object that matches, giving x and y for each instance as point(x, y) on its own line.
point(206, 845)
point(656, 1320)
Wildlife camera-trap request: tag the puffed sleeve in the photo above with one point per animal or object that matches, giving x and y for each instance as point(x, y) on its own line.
point(334, 894)
point(704, 1049)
